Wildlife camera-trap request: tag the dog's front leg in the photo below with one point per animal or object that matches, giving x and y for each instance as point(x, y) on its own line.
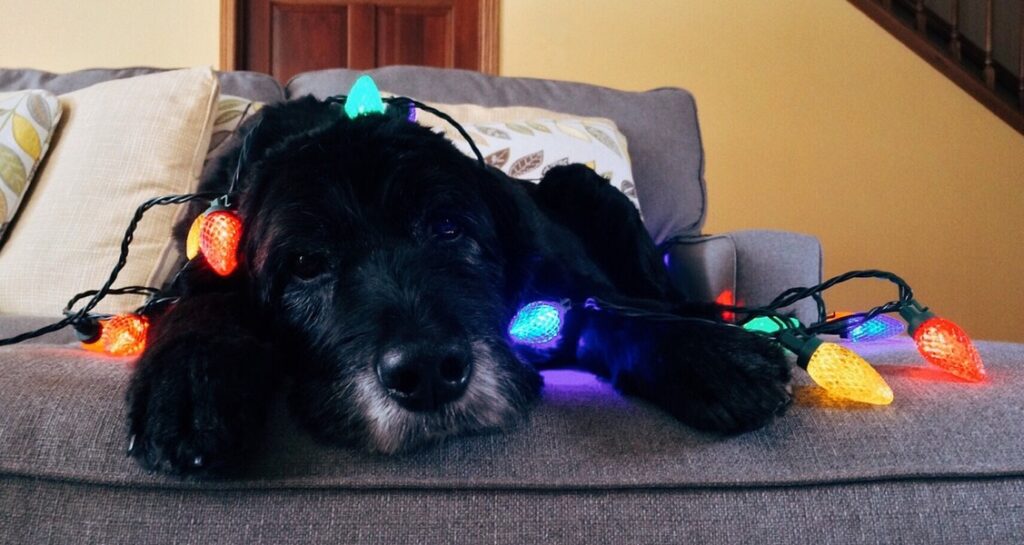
point(197, 400)
point(712, 377)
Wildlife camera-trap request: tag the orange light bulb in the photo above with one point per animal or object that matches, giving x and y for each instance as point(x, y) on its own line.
point(220, 234)
point(124, 334)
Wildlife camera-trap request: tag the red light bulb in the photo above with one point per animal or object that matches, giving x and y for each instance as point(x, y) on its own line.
point(945, 344)
point(727, 299)
point(220, 234)
point(124, 334)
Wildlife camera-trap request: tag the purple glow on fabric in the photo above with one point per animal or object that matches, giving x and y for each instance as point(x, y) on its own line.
point(569, 379)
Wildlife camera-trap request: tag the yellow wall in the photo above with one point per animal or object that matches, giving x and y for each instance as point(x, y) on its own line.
point(816, 120)
point(63, 35)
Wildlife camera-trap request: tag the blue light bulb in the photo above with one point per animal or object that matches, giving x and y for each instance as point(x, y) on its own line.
point(877, 328)
point(538, 324)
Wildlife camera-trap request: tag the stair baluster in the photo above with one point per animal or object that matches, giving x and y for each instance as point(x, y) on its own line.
point(989, 70)
point(954, 32)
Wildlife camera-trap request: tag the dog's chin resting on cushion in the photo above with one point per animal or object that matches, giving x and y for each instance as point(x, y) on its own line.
point(378, 271)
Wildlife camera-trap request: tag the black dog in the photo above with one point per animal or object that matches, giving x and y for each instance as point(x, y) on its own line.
point(379, 270)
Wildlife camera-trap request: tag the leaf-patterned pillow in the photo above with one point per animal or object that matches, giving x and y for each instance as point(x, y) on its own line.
point(232, 111)
point(27, 122)
point(526, 142)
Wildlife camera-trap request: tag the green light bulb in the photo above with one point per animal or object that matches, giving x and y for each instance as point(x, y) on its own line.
point(363, 98)
point(769, 324)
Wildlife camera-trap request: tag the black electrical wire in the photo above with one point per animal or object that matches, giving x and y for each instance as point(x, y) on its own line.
point(823, 326)
point(95, 296)
point(410, 102)
point(772, 310)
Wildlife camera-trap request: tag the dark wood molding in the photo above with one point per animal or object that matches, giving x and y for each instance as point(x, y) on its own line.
point(942, 60)
point(232, 38)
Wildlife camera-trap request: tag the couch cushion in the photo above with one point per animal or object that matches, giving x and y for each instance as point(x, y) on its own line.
point(64, 419)
point(121, 142)
point(251, 85)
point(660, 125)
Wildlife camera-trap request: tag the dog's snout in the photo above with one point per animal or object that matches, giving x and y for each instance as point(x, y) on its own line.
point(423, 378)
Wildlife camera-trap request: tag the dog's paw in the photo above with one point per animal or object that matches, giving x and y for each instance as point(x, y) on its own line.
point(721, 380)
point(197, 406)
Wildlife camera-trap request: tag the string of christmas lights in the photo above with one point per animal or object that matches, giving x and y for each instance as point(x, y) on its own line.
point(216, 234)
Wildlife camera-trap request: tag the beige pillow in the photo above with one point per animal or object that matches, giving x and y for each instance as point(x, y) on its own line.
point(526, 142)
point(121, 142)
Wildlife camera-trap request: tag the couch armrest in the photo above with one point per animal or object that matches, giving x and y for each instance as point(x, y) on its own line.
point(752, 266)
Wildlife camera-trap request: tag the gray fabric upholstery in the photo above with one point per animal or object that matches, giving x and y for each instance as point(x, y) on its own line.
point(64, 419)
point(251, 85)
point(755, 265)
point(660, 125)
point(590, 463)
point(924, 511)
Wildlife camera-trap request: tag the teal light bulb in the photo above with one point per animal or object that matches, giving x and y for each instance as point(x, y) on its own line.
point(363, 98)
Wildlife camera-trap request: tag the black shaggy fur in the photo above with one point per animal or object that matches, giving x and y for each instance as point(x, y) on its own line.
point(369, 236)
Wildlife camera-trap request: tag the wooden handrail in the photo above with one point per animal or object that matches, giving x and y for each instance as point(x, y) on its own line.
point(939, 41)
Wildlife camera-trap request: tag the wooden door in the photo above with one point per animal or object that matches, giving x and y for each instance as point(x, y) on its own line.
point(286, 37)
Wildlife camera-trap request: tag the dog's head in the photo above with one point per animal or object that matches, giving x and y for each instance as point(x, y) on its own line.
point(381, 256)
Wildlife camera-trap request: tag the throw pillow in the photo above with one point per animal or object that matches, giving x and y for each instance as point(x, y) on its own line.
point(27, 121)
point(232, 111)
point(526, 142)
point(122, 142)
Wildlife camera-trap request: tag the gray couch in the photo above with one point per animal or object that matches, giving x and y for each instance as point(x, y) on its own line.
point(944, 463)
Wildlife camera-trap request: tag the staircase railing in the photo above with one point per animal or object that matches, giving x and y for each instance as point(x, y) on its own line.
point(986, 60)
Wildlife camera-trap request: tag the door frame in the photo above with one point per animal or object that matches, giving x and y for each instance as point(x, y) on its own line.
point(231, 33)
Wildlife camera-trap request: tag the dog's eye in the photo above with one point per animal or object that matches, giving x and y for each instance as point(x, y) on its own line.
point(446, 229)
point(307, 266)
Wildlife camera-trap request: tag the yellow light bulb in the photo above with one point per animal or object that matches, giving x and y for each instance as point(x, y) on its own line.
point(194, 232)
point(843, 373)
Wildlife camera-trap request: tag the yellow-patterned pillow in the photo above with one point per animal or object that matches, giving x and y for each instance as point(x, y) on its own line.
point(27, 121)
point(232, 111)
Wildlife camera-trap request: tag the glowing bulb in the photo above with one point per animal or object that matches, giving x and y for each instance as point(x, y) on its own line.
point(194, 233)
point(124, 334)
point(727, 299)
point(363, 98)
point(943, 343)
point(770, 324)
point(538, 324)
point(878, 328)
point(839, 370)
point(220, 234)
point(845, 374)
point(946, 345)
point(94, 346)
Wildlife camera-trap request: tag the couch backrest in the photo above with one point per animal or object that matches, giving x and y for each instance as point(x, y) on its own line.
point(660, 125)
point(251, 85)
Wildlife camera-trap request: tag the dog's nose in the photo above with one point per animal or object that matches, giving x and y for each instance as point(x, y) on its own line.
point(424, 378)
